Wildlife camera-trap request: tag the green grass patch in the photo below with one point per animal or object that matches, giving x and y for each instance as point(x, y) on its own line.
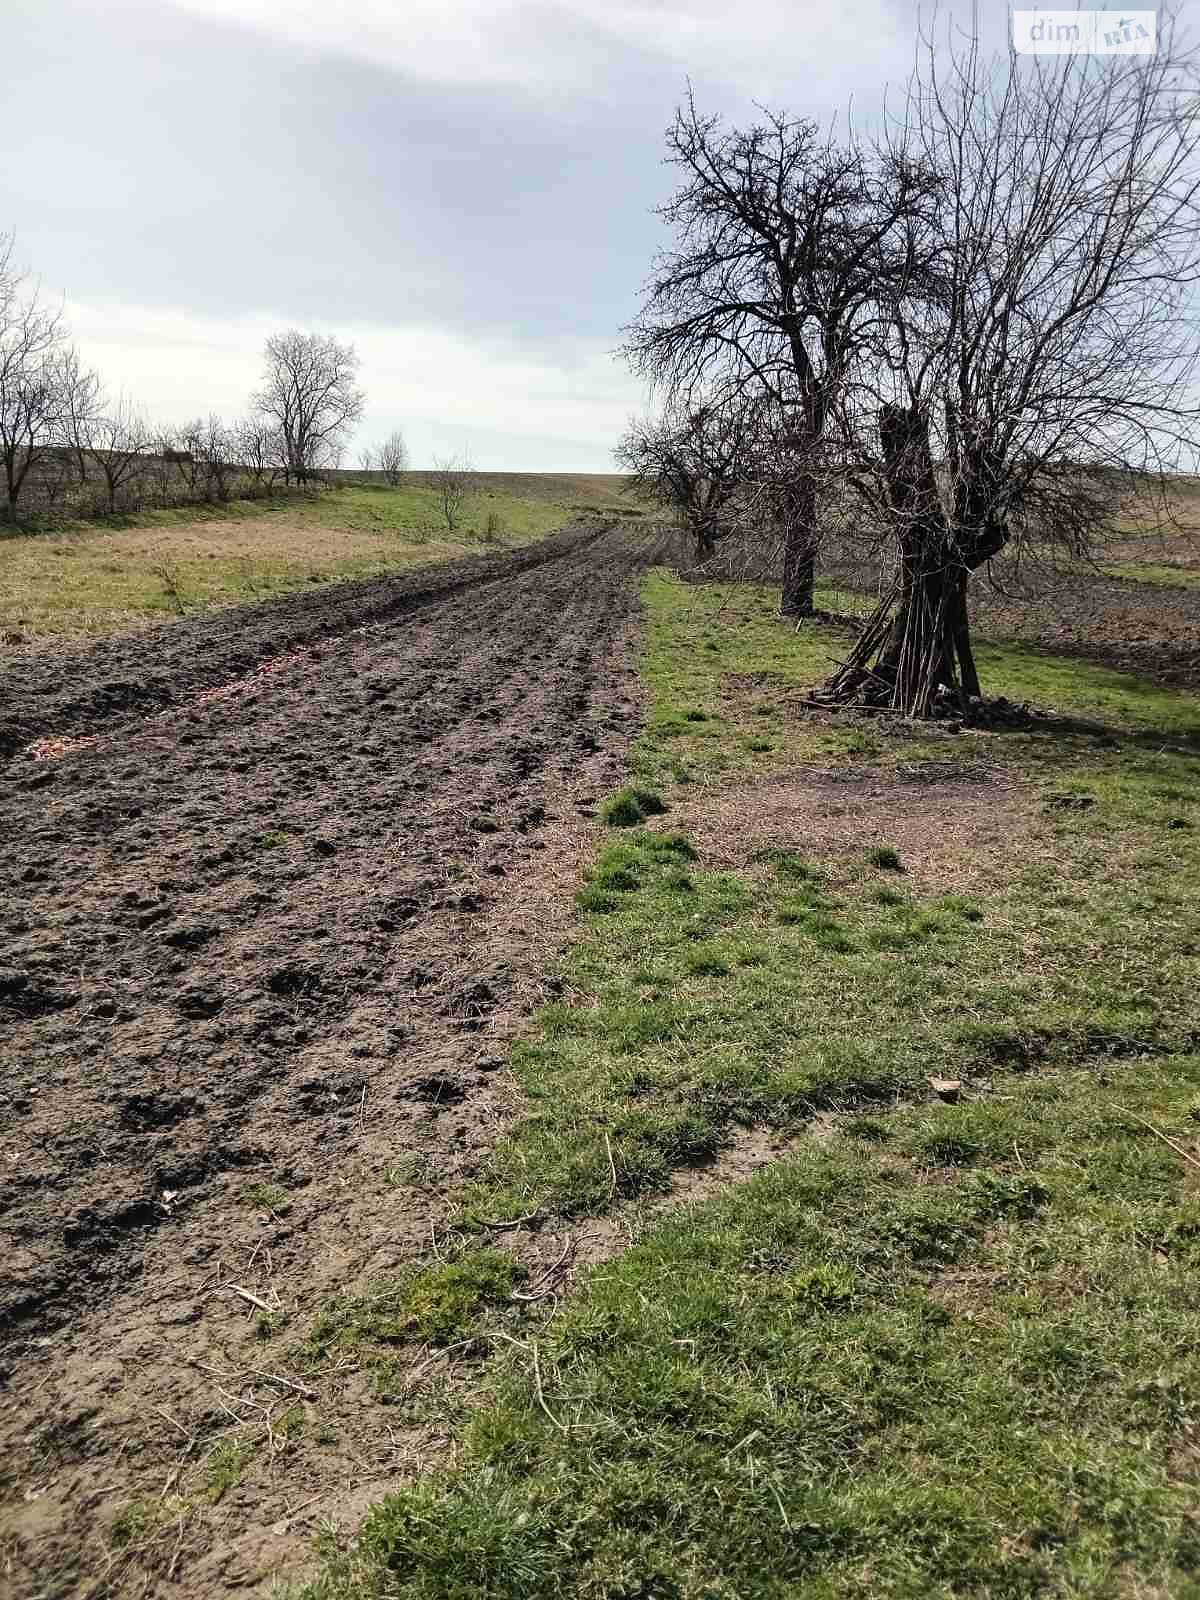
point(957, 1361)
point(437, 1304)
point(631, 805)
point(726, 679)
point(225, 1466)
point(886, 857)
point(712, 1000)
point(1157, 573)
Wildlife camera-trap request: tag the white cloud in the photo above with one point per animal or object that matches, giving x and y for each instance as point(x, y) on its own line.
point(762, 46)
point(516, 412)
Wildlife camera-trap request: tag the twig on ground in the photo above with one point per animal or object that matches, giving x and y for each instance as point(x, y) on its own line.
point(539, 1291)
point(612, 1165)
point(1178, 1149)
point(741, 1445)
point(254, 1299)
point(537, 1375)
point(437, 1355)
point(537, 1378)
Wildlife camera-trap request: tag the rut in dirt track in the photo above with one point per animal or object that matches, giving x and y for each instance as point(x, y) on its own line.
point(222, 927)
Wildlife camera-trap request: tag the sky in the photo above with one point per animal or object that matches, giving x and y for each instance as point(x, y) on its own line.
point(465, 189)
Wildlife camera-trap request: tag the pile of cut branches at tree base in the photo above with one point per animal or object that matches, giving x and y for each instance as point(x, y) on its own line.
point(875, 694)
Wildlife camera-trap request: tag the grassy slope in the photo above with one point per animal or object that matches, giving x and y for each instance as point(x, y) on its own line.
point(1165, 576)
point(96, 578)
point(947, 1349)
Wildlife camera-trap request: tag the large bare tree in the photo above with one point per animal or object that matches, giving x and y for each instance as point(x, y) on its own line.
point(310, 394)
point(784, 238)
point(1047, 358)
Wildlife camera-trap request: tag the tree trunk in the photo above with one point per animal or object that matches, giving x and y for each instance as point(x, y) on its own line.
point(706, 538)
point(914, 653)
point(799, 548)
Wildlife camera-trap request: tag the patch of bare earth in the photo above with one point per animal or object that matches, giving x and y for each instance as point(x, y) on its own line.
point(946, 823)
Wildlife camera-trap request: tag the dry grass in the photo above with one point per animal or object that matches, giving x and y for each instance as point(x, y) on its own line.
point(92, 578)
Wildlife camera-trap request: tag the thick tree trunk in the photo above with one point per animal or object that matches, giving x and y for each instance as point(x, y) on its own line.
point(914, 654)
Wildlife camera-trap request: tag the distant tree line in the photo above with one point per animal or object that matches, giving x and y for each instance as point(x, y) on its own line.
point(972, 335)
point(69, 448)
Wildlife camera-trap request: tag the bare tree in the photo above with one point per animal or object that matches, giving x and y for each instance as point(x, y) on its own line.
point(261, 450)
point(393, 457)
point(38, 370)
point(452, 475)
point(309, 393)
point(694, 460)
point(118, 444)
point(366, 459)
point(57, 475)
point(187, 456)
point(784, 238)
point(159, 468)
point(1051, 352)
point(83, 403)
point(216, 448)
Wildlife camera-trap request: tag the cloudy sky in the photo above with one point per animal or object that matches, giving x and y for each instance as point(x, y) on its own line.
point(464, 188)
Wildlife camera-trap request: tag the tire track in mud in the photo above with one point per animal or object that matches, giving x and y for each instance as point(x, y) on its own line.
point(248, 937)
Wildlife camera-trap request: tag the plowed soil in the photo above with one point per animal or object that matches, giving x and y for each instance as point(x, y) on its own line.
point(262, 932)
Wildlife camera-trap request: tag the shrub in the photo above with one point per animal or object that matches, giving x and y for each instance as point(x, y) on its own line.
point(629, 806)
point(886, 857)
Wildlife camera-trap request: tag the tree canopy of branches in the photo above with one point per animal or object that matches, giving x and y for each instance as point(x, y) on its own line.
point(41, 384)
point(117, 442)
point(309, 393)
point(784, 240)
point(694, 460)
point(392, 457)
point(261, 450)
point(452, 477)
point(1051, 346)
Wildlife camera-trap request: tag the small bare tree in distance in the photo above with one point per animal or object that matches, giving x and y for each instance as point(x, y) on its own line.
point(695, 460)
point(261, 451)
point(216, 448)
point(117, 443)
point(310, 394)
point(393, 457)
point(452, 474)
point(84, 403)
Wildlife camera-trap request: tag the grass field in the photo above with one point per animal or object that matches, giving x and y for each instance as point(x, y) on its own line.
point(90, 577)
point(1168, 577)
point(947, 1345)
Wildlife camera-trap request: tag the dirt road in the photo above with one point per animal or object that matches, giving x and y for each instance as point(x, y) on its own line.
point(260, 940)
